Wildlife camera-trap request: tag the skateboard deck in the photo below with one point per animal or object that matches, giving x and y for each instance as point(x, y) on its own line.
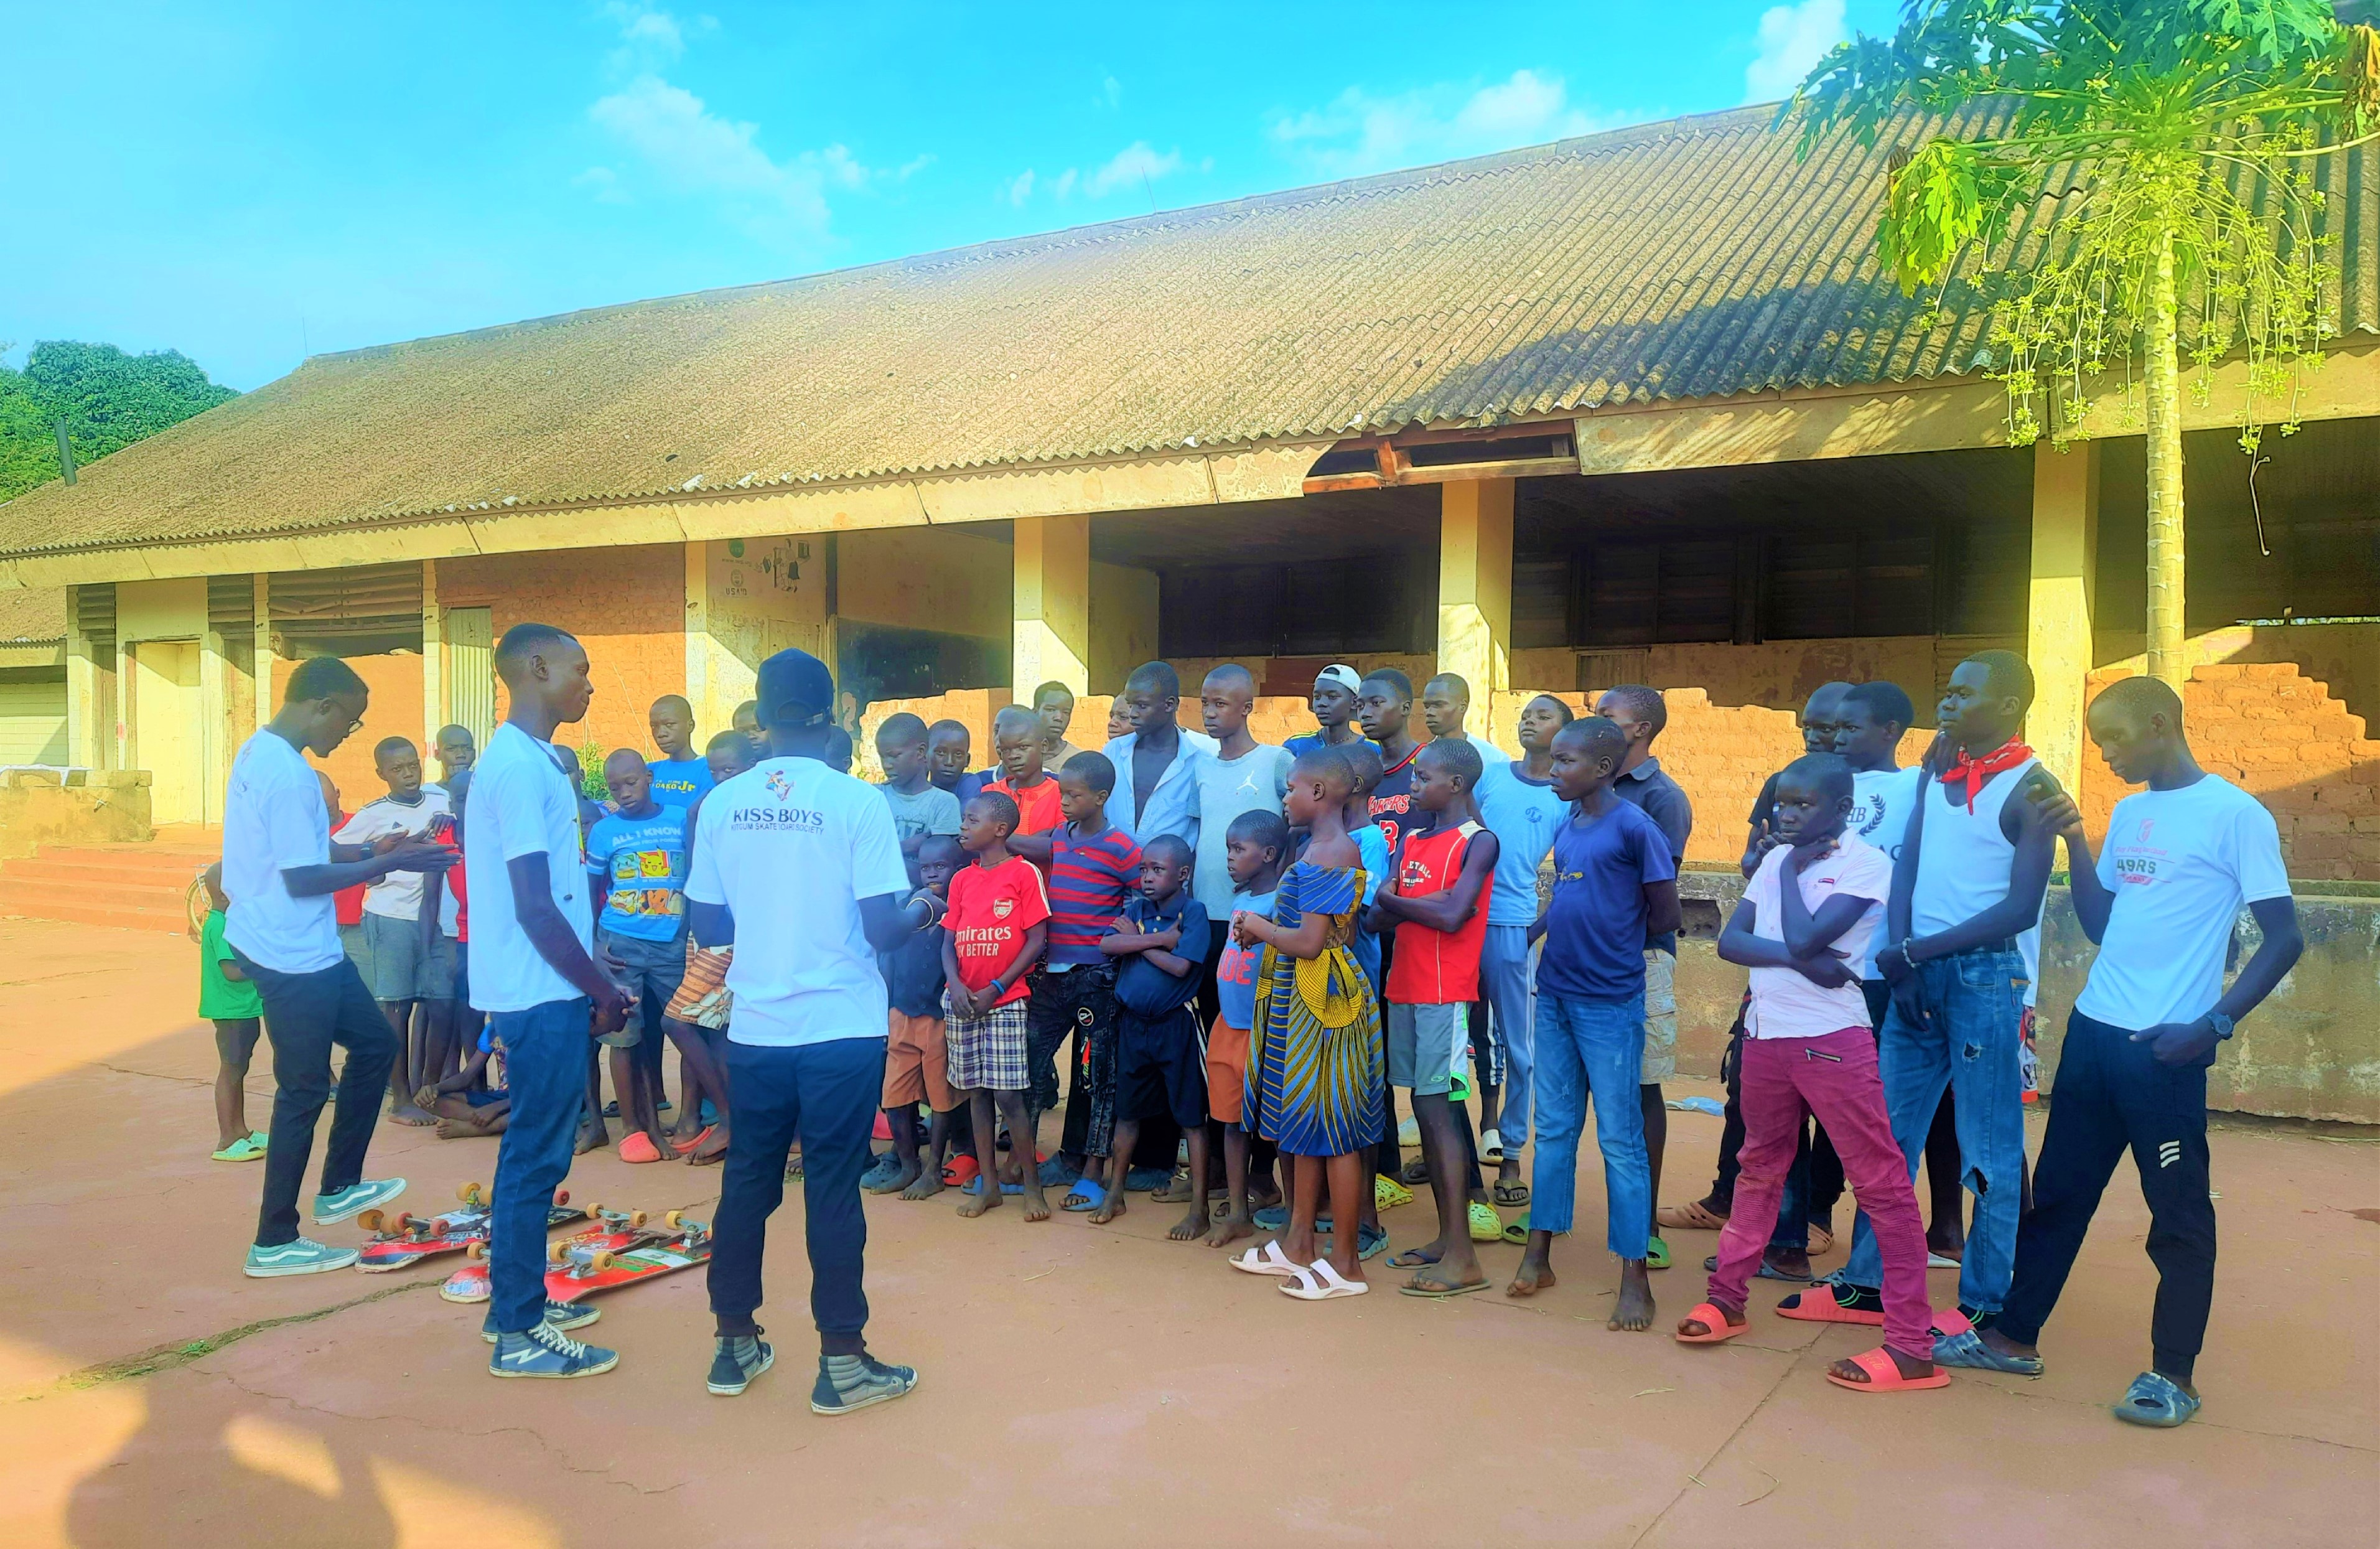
point(402, 1240)
point(617, 1232)
point(585, 1264)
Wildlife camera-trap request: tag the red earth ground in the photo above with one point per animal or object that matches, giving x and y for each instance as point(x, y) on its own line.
point(1079, 1385)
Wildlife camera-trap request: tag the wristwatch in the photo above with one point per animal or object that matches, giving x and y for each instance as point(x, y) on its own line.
point(2221, 1024)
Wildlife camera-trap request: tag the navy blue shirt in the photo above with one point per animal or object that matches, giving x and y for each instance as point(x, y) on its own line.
point(1143, 988)
point(1664, 800)
point(1595, 928)
point(912, 974)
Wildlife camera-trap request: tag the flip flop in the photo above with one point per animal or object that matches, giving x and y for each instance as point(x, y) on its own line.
point(2155, 1399)
point(1819, 1305)
point(1413, 1258)
point(686, 1148)
point(1884, 1376)
point(1966, 1348)
point(1176, 1191)
point(1437, 1290)
point(1084, 1197)
point(1516, 1230)
point(639, 1147)
point(1413, 1172)
point(1268, 1259)
point(1656, 1253)
point(1485, 1224)
point(960, 1170)
point(1509, 1194)
point(1711, 1318)
point(975, 1186)
point(244, 1149)
point(1319, 1282)
point(1694, 1217)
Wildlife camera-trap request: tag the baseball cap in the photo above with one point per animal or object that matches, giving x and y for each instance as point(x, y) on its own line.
point(795, 689)
point(1343, 675)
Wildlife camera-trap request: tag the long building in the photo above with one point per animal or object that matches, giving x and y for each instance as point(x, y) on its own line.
point(1633, 407)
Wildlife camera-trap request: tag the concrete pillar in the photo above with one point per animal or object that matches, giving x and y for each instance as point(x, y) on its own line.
point(434, 661)
point(267, 699)
point(1474, 584)
point(2058, 614)
point(1051, 605)
point(717, 680)
point(84, 710)
point(214, 721)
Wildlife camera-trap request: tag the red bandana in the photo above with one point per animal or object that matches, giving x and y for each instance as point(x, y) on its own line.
point(1976, 771)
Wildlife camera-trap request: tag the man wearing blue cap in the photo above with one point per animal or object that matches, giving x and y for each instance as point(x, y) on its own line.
point(799, 866)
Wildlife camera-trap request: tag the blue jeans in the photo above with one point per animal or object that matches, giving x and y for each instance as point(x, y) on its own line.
point(545, 1069)
point(1975, 1002)
point(825, 1095)
point(1592, 1048)
point(1504, 984)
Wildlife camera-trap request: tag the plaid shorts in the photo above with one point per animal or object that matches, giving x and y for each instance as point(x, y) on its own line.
point(988, 1052)
point(702, 998)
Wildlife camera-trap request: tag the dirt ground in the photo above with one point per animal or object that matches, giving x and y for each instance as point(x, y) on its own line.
point(1078, 1385)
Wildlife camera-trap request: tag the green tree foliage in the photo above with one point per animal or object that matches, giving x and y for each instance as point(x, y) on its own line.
point(109, 400)
point(2176, 140)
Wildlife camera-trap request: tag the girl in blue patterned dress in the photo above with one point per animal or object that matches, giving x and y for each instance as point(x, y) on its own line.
point(1315, 1082)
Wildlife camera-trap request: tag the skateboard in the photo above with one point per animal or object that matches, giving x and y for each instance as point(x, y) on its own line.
point(594, 1261)
point(402, 1240)
point(618, 1231)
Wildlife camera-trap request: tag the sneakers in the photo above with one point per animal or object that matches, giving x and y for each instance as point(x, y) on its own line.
point(561, 1315)
point(546, 1351)
point(298, 1256)
point(734, 1363)
point(848, 1382)
point(355, 1198)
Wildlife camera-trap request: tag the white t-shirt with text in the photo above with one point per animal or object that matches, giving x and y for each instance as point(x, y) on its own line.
point(1785, 1004)
point(521, 803)
point(2179, 863)
point(790, 847)
point(1882, 800)
point(397, 895)
point(273, 820)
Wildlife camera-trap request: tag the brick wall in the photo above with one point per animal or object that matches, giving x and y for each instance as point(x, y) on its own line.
point(393, 709)
point(627, 607)
point(2280, 736)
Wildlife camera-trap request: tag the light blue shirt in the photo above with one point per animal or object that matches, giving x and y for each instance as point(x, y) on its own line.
point(1524, 817)
point(1173, 805)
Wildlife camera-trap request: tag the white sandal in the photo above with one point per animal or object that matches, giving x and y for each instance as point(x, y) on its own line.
point(1491, 1146)
point(1269, 1259)
point(1319, 1282)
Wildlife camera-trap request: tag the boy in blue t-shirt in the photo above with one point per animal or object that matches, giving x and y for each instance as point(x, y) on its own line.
point(1255, 849)
point(637, 854)
point(1160, 945)
point(680, 775)
point(1615, 888)
point(917, 1060)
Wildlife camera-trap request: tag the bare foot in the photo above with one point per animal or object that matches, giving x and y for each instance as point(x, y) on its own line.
point(929, 1184)
point(1036, 1204)
point(1633, 1312)
point(1190, 1226)
point(1230, 1229)
point(1108, 1208)
point(975, 1205)
point(1533, 1275)
point(407, 1114)
point(459, 1129)
point(423, 1097)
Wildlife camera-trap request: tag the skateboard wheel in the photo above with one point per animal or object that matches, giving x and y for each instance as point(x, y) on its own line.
point(637, 1218)
point(676, 1220)
point(602, 1261)
point(370, 1220)
point(559, 1252)
point(475, 1251)
point(440, 1227)
point(594, 1210)
point(561, 1196)
point(470, 1194)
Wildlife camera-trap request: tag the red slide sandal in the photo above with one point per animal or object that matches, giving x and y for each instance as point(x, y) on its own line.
point(1884, 1375)
point(1817, 1305)
point(1711, 1318)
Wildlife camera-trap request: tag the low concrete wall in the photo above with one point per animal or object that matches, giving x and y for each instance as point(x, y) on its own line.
point(74, 807)
point(2311, 1051)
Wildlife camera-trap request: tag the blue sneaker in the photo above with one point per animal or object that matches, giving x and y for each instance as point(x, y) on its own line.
point(848, 1382)
point(298, 1256)
point(545, 1351)
point(355, 1198)
point(734, 1363)
point(563, 1315)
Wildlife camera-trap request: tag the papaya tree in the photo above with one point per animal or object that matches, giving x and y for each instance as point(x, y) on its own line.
point(2136, 183)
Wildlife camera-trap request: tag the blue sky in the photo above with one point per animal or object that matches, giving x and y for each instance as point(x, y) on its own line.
point(252, 183)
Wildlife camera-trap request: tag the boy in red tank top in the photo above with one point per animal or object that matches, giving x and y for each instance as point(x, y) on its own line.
point(1436, 899)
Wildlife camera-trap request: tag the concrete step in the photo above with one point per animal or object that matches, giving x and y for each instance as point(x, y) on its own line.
point(64, 868)
point(131, 886)
point(96, 914)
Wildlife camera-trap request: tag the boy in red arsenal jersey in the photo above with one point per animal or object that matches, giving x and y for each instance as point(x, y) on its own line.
point(992, 937)
point(1436, 899)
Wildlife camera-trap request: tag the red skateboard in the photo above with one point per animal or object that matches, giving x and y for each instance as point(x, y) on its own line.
point(402, 1240)
point(621, 1233)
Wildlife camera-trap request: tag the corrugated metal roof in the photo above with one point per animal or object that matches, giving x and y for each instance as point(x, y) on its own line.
point(1689, 259)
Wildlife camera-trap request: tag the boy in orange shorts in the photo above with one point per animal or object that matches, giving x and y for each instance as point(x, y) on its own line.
point(1256, 847)
point(916, 1061)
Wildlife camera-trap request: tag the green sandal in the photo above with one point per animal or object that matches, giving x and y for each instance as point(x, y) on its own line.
point(244, 1149)
point(1656, 1253)
point(1516, 1230)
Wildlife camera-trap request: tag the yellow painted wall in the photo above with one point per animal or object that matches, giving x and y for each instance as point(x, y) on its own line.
point(161, 609)
point(919, 578)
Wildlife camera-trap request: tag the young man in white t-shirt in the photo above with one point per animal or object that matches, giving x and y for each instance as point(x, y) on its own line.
point(2160, 901)
point(280, 870)
point(1808, 918)
point(532, 931)
point(799, 866)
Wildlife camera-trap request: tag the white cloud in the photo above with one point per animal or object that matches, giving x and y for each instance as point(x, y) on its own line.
point(1132, 167)
point(1021, 188)
point(642, 27)
point(1359, 132)
point(1110, 92)
point(694, 152)
point(1793, 40)
point(605, 184)
point(1062, 188)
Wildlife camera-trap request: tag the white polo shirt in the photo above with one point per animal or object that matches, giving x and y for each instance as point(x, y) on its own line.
point(521, 803)
point(790, 847)
point(273, 819)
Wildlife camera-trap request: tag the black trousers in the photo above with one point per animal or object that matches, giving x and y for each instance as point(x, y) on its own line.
point(1080, 1000)
point(306, 1016)
point(2114, 1096)
point(824, 1094)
